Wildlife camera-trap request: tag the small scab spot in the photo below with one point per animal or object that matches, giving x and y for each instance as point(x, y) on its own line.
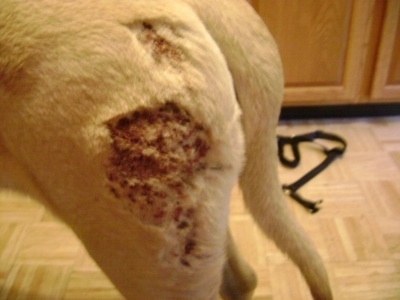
point(183, 225)
point(189, 246)
point(159, 214)
point(160, 48)
point(123, 122)
point(147, 25)
point(185, 263)
point(114, 192)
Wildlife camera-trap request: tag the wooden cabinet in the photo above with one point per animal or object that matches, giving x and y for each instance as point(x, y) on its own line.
point(386, 82)
point(336, 51)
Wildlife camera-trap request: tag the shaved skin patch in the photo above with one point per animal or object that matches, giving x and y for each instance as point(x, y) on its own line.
point(155, 155)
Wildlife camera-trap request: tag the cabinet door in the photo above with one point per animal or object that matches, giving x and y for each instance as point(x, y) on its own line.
point(323, 44)
point(386, 83)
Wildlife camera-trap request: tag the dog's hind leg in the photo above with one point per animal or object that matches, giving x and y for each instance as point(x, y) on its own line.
point(239, 279)
point(254, 62)
point(125, 116)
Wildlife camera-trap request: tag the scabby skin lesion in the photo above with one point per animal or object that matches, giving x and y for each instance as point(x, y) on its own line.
point(155, 154)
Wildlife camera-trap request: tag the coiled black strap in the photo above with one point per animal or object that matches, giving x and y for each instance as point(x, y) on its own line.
point(293, 143)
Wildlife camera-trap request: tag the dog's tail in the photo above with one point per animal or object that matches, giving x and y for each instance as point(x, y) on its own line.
point(254, 62)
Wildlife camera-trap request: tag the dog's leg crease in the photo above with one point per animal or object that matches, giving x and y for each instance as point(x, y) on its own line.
point(259, 86)
point(239, 279)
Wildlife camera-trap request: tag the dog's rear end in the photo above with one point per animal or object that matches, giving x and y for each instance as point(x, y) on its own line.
point(255, 66)
point(125, 116)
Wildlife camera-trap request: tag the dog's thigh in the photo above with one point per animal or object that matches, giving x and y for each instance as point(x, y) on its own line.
point(165, 205)
point(132, 133)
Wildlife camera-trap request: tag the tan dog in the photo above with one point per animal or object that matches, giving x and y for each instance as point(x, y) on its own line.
point(133, 119)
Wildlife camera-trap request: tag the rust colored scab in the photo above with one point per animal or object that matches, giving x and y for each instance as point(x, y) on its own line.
point(183, 225)
point(123, 122)
point(189, 246)
point(147, 25)
point(185, 263)
point(154, 156)
point(158, 45)
point(155, 152)
point(160, 214)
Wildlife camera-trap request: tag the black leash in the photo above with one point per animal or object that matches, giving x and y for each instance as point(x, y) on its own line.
point(331, 155)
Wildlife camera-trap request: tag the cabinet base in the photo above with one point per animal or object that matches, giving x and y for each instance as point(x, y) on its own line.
point(340, 111)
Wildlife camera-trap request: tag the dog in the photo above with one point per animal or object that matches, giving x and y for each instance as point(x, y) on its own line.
point(133, 119)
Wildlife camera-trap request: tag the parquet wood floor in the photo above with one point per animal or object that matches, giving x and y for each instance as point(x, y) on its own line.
point(357, 231)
